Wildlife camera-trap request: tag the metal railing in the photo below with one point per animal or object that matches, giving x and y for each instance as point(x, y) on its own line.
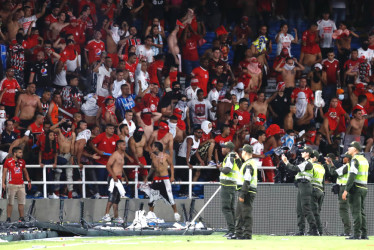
point(84, 182)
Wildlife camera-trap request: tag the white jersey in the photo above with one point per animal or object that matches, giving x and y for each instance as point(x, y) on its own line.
point(131, 125)
point(325, 30)
point(103, 81)
point(85, 134)
point(116, 89)
point(284, 42)
point(141, 81)
point(199, 110)
point(26, 22)
point(213, 95)
point(258, 149)
point(183, 147)
point(190, 93)
point(142, 51)
point(366, 54)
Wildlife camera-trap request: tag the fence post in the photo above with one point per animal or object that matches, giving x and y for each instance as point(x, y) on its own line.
point(136, 183)
point(189, 183)
point(1, 179)
point(45, 181)
point(84, 182)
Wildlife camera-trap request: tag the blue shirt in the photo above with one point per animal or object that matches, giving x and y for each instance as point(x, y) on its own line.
point(8, 138)
point(125, 103)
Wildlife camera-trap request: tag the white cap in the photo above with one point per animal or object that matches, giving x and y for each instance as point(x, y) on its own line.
point(318, 65)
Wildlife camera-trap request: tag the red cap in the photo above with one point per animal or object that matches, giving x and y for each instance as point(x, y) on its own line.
point(140, 129)
point(178, 111)
point(221, 31)
point(16, 119)
point(194, 82)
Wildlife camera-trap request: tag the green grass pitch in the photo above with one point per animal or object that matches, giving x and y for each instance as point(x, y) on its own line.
point(215, 241)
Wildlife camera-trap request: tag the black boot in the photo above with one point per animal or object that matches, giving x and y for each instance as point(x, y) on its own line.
point(301, 233)
point(353, 238)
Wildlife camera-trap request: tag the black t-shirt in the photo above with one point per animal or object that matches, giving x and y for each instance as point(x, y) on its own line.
point(158, 7)
point(280, 106)
point(43, 73)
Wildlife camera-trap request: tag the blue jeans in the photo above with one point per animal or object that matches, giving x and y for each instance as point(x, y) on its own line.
point(51, 172)
point(102, 175)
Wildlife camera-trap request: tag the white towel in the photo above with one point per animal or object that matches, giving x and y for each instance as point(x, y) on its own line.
point(119, 186)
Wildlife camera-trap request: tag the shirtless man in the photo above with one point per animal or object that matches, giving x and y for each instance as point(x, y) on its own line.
point(55, 28)
point(255, 82)
point(6, 10)
point(146, 119)
point(115, 170)
point(161, 182)
point(288, 71)
point(260, 106)
point(137, 144)
point(13, 25)
point(173, 45)
point(356, 124)
point(343, 38)
point(289, 119)
point(21, 143)
point(27, 104)
point(66, 139)
point(175, 130)
point(162, 135)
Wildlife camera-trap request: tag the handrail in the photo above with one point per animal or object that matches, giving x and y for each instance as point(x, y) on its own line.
point(83, 182)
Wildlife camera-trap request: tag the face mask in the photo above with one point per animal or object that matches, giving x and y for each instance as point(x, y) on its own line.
point(370, 91)
point(341, 97)
point(365, 46)
point(247, 137)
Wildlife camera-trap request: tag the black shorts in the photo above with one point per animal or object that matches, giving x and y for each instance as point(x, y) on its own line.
point(114, 197)
point(25, 123)
point(161, 189)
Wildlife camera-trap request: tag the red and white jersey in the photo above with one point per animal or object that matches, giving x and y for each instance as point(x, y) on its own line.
point(331, 68)
point(26, 22)
point(284, 42)
point(9, 96)
point(50, 19)
point(326, 28)
point(94, 49)
point(365, 54)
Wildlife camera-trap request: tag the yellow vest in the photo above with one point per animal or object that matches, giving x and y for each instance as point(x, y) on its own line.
point(234, 173)
point(363, 169)
point(306, 174)
point(240, 180)
point(318, 174)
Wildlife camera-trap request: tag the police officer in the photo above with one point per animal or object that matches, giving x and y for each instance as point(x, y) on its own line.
point(247, 194)
point(356, 190)
point(318, 183)
point(228, 177)
point(304, 194)
point(341, 182)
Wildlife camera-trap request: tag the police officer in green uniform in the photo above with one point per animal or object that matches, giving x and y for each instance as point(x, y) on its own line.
point(341, 181)
point(305, 189)
point(318, 183)
point(356, 190)
point(228, 177)
point(247, 194)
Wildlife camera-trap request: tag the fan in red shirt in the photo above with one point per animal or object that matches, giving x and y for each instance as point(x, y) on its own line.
point(108, 9)
point(155, 69)
point(8, 88)
point(75, 29)
point(302, 88)
point(244, 116)
point(131, 65)
point(202, 74)
point(331, 119)
point(332, 69)
point(224, 136)
point(310, 41)
point(151, 100)
point(36, 128)
point(105, 144)
point(94, 48)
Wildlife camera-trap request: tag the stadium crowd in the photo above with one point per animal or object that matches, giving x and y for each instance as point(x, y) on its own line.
point(79, 75)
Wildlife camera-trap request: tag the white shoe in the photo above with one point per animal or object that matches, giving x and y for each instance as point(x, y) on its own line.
point(212, 164)
point(177, 217)
point(118, 220)
point(106, 218)
point(97, 196)
point(53, 196)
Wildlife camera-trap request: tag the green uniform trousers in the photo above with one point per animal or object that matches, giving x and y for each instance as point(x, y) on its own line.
point(244, 219)
point(344, 211)
point(227, 204)
point(317, 200)
point(304, 198)
point(356, 200)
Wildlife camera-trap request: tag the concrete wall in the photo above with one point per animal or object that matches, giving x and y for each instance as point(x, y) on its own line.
point(48, 210)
